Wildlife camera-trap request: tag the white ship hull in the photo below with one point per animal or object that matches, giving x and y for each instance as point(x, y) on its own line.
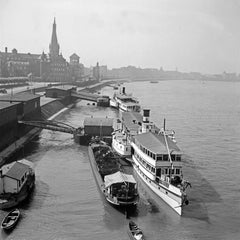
point(172, 199)
point(113, 103)
point(122, 148)
point(128, 106)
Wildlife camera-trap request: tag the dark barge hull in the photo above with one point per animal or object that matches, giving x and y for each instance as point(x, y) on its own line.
point(101, 185)
point(96, 174)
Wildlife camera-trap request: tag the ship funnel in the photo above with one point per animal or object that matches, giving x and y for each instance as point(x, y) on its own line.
point(147, 126)
point(123, 90)
point(146, 114)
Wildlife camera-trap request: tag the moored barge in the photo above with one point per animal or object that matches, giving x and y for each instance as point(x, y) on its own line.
point(119, 188)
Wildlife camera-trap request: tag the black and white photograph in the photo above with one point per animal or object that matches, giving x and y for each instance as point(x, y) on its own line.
point(119, 119)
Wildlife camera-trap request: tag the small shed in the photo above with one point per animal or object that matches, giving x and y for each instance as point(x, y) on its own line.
point(30, 106)
point(60, 92)
point(98, 126)
point(13, 177)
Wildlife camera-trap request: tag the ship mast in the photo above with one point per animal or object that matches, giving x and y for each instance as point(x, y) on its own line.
point(165, 138)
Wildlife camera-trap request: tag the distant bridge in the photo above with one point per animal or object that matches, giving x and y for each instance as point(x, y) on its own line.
point(53, 125)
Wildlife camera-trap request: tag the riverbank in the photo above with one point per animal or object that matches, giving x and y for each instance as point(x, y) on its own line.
point(48, 112)
point(50, 108)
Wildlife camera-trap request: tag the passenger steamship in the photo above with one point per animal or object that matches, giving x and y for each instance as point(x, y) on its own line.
point(125, 102)
point(157, 161)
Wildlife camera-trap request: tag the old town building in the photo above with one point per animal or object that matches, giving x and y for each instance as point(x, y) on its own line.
point(76, 69)
point(51, 67)
point(14, 64)
point(54, 67)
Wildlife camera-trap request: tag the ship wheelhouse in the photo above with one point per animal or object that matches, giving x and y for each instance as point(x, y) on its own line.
point(151, 154)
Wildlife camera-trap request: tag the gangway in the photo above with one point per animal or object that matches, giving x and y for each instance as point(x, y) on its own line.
point(53, 125)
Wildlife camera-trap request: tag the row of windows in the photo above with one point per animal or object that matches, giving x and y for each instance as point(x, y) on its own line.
point(20, 68)
point(58, 69)
point(160, 157)
point(145, 164)
point(15, 59)
point(166, 171)
point(58, 64)
point(19, 63)
point(169, 171)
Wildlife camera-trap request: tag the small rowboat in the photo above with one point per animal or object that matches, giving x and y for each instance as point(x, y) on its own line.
point(10, 220)
point(134, 232)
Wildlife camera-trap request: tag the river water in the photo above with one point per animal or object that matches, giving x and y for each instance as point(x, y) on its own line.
point(66, 203)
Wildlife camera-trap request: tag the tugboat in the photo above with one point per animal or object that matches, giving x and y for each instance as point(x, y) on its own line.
point(119, 188)
point(16, 183)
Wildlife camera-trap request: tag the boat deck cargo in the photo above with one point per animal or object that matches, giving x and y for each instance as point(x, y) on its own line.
point(119, 188)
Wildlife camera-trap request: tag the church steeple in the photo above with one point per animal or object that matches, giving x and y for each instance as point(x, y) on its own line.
point(54, 46)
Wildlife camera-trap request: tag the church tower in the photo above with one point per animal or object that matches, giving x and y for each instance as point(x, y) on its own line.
point(54, 46)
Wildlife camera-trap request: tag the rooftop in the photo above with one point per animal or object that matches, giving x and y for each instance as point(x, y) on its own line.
point(156, 143)
point(20, 97)
point(17, 170)
point(22, 55)
point(74, 55)
point(98, 122)
point(118, 177)
point(4, 105)
point(123, 97)
point(132, 120)
point(63, 87)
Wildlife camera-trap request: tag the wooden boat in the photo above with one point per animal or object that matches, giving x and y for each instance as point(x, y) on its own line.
point(10, 220)
point(134, 232)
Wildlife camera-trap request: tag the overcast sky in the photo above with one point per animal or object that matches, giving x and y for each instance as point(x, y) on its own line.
point(190, 35)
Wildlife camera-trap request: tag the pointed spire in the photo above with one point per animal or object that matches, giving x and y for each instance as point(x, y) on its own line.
point(54, 46)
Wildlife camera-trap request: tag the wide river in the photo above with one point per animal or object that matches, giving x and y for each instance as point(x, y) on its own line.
point(66, 203)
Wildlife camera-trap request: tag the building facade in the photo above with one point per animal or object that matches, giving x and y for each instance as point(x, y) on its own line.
point(22, 106)
point(51, 67)
point(96, 72)
point(76, 69)
point(14, 64)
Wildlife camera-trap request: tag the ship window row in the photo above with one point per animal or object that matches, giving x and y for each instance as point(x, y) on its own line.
point(165, 171)
point(170, 171)
point(145, 164)
point(58, 69)
point(160, 157)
